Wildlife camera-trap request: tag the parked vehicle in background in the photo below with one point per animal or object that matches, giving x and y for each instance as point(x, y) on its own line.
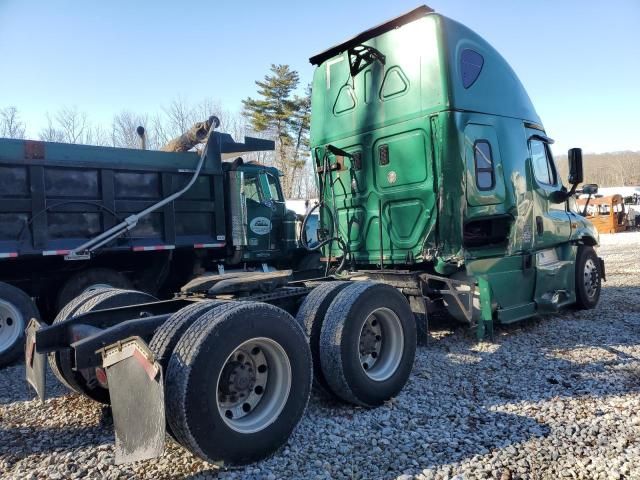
point(631, 200)
point(608, 214)
point(437, 191)
point(56, 197)
point(302, 207)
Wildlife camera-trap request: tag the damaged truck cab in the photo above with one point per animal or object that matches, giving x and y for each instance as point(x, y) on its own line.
point(437, 162)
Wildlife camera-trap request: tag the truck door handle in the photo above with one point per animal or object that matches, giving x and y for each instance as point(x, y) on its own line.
point(539, 225)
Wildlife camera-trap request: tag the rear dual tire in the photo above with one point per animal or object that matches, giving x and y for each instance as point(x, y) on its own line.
point(61, 362)
point(238, 382)
point(166, 337)
point(367, 343)
point(310, 316)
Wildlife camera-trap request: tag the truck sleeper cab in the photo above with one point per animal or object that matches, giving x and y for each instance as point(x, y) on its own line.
point(439, 166)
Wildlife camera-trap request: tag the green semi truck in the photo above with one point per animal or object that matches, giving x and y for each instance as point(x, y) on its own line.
point(438, 190)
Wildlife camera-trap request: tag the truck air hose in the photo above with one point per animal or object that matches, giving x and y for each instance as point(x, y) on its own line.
point(326, 172)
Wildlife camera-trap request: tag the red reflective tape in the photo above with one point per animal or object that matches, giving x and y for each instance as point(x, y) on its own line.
point(9, 255)
point(55, 252)
point(153, 248)
point(101, 375)
point(149, 367)
point(209, 245)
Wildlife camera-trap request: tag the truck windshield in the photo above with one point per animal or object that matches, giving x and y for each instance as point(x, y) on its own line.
point(251, 189)
point(273, 187)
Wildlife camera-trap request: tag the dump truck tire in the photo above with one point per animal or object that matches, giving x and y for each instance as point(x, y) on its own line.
point(238, 382)
point(60, 361)
point(166, 337)
point(588, 278)
point(310, 317)
point(16, 309)
point(91, 279)
point(68, 312)
point(368, 343)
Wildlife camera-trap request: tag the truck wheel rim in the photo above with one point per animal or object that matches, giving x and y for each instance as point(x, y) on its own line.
point(590, 278)
point(381, 344)
point(254, 385)
point(11, 324)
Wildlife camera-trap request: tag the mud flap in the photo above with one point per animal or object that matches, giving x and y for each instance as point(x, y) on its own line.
point(137, 400)
point(35, 362)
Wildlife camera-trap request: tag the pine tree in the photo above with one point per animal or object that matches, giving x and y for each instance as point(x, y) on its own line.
point(280, 113)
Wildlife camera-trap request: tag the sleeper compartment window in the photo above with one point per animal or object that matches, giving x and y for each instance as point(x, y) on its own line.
point(485, 177)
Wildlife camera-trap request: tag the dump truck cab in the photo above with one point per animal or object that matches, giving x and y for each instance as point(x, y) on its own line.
point(74, 217)
point(261, 224)
point(436, 160)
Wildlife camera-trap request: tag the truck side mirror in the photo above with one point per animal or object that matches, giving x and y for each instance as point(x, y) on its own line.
point(576, 174)
point(590, 189)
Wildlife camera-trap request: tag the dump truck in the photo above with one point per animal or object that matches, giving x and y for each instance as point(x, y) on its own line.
point(55, 198)
point(438, 191)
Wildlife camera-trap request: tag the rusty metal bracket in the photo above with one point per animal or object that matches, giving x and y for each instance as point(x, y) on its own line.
point(467, 309)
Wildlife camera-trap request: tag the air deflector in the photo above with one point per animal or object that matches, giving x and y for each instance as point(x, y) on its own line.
point(409, 17)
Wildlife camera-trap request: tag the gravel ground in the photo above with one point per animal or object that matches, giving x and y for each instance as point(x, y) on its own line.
point(554, 397)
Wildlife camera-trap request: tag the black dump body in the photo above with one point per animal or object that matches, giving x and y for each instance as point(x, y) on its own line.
point(54, 197)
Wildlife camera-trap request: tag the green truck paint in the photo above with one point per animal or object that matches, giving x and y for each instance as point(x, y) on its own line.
point(446, 166)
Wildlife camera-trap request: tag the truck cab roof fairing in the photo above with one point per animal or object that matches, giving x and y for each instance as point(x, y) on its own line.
point(414, 14)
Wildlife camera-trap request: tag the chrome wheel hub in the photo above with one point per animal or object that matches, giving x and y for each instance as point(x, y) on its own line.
point(254, 385)
point(11, 324)
point(381, 344)
point(591, 278)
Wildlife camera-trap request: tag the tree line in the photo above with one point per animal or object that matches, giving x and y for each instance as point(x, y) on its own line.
point(277, 112)
point(612, 169)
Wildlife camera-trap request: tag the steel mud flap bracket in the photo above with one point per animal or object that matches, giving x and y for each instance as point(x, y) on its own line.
point(137, 399)
point(34, 362)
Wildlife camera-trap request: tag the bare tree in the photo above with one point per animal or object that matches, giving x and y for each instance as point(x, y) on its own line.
point(179, 116)
point(10, 124)
point(606, 169)
point(97, 135)
point(73, 124)
point(50, 133)
point(157, 134)
point(123, 129)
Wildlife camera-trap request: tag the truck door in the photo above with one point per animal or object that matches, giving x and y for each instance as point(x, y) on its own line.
point(551, 220)
point(552, 229)
point(261, 213)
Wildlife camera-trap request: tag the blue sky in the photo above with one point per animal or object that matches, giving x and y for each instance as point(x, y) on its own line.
point(579, 60)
